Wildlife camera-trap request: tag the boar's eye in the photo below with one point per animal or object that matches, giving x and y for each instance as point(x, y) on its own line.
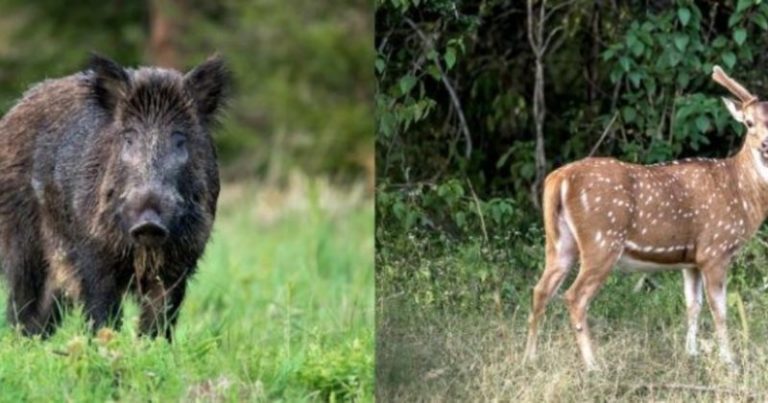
point(179, 139)
point(128, 135)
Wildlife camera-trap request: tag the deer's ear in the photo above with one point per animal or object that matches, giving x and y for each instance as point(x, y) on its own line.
point(734, 107)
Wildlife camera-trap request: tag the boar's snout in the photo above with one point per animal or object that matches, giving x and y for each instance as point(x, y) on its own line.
point(149, 229)
point(146, 210)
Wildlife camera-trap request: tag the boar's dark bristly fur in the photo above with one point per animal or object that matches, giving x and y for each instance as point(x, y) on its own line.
point(108, 186)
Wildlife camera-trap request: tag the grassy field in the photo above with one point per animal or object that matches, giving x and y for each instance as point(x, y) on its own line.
point(479, 359)
point(451, 326)
point(281, 309)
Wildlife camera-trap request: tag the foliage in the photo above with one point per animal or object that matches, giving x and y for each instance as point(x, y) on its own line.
point(281, 309)
point(625, 79)
point(662, 63)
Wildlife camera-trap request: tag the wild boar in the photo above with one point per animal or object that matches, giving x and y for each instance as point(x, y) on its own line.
point(108, 186)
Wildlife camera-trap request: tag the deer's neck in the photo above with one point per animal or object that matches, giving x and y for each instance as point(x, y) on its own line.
point(748, 173)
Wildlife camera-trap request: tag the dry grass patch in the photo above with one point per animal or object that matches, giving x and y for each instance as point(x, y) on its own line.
point(452, 358)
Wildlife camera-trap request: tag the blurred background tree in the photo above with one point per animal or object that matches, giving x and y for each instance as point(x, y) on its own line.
point(303, 90)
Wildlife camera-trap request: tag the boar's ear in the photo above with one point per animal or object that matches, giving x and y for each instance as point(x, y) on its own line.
point(111, 81)
point(208, 84)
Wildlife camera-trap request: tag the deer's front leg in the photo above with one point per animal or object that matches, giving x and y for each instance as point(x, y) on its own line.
point(714, 284)
point(693, 296)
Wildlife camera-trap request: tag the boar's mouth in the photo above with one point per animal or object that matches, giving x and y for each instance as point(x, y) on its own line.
point(149, 230)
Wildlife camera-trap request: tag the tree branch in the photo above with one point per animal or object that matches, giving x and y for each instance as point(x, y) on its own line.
point(605, 133)
point(451, 92)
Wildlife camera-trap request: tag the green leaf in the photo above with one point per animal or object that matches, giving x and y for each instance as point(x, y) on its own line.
point(743, 5)
point(681, 42)
point(624, 62)
point(450, 58)
point(631, 39)
point(759, 20)
point(684, 15)
point(650, 85)
point(637, 48)
point(380, 65)
point(729, 59)
point(434, 72)
point(629, 114)
point(635, 77)
point(387, 123)
point(739, 36)
point(616, 76)
point(407, 82)
point(734, 19)
point(674, 58)
point(719, 42)
point(609, 53)
point(702, 123)
point(461, 218)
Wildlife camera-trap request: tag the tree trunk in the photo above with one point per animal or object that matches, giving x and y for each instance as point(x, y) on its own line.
point(165, 26)
point(538, 46)
point(539, 113)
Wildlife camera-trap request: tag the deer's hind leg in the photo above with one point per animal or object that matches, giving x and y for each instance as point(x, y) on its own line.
point(594, 270)
point(560, 257)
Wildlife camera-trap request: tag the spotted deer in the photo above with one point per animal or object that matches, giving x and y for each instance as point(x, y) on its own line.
point(691, 215)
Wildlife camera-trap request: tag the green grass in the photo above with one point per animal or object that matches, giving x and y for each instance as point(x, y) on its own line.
point(281, 309)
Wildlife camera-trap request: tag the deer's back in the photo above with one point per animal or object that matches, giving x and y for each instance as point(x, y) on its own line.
point(657, 213)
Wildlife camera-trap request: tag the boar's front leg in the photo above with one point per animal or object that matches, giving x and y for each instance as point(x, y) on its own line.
point(160, 302)
point(102, 293)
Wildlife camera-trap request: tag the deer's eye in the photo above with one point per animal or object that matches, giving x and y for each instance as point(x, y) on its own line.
point(749, 123)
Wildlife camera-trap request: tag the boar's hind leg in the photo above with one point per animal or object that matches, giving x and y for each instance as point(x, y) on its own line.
point(26, 271)
point(160, 302)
